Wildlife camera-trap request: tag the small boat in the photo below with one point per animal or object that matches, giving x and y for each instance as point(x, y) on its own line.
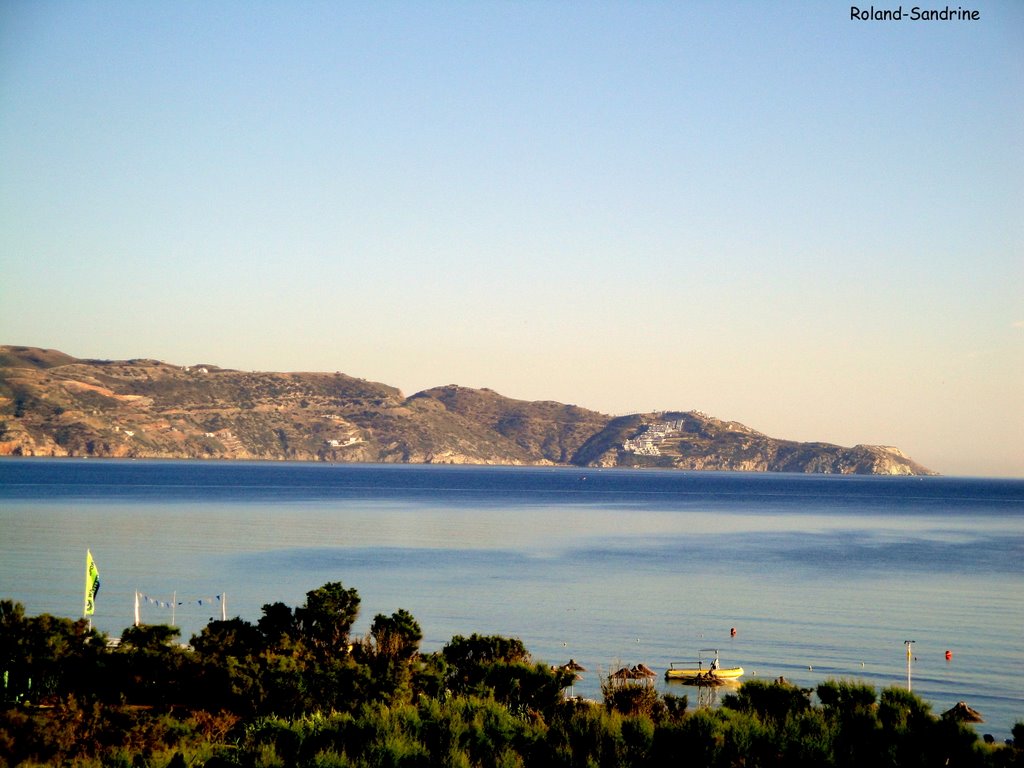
point(703, 672)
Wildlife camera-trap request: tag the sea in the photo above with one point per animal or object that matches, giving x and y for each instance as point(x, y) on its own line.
point(890, 581)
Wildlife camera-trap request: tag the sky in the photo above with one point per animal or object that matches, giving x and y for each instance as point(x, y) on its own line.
point(766, 211)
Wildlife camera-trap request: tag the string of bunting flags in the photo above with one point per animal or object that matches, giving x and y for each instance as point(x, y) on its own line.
point(169, 603)
point(173, 603)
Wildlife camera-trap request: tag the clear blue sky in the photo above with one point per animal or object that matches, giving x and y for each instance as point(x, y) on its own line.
point(763, 210)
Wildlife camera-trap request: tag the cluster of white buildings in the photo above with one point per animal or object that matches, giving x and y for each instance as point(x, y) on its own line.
point(336, 443)
point(647, 442)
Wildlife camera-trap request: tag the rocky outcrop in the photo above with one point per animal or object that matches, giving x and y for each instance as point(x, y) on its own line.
point(52, 404)
point(696, 441)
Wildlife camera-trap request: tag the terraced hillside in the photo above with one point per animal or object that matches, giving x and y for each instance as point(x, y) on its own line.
point(53, 404)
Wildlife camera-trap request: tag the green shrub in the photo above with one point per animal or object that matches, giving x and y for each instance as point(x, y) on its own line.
point(634, 698)
point(810, 742)
point(481, 704)
point(701, 737)
point(843, 697)
point(637, 740)
point(771, 701)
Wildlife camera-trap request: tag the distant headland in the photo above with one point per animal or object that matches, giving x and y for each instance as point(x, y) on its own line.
point(53, 404)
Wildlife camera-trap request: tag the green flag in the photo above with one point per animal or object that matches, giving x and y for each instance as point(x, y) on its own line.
point(92, 583)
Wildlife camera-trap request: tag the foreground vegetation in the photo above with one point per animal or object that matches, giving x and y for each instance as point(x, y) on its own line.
point(295, 689)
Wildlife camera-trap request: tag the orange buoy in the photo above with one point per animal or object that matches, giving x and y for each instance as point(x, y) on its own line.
point(949, 655)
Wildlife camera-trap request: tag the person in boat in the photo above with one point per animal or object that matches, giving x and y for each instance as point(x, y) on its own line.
point(714, 667)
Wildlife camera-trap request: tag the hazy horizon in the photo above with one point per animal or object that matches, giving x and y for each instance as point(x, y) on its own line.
point(771, 213)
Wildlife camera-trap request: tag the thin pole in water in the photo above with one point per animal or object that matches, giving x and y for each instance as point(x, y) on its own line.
point(910, 655)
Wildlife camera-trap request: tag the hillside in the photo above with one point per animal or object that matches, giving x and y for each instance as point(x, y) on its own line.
point(52, 404)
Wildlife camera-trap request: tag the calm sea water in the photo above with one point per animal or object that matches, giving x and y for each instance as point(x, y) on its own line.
point(822, 577)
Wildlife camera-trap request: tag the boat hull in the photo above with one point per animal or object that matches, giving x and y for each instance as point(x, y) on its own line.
point(703, 675)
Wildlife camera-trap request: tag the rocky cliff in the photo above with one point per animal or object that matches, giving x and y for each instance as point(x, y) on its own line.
point(52, 404)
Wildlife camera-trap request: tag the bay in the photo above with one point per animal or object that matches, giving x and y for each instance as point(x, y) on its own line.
point(821, 576)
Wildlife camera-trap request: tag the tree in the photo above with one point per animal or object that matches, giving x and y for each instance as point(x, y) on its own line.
point(46, 656)
point(390, 652)
point(327, 617)
point(397, 636)
point(234, 637)
point(151, 637)
point(229, 673)
point(151, 665)
point(492, 665)
point(277, 624)
point(467, 656)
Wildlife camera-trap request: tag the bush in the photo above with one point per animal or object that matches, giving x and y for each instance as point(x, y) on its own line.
point(844, 697)
point(775, 701)
point(634, 699)
point(481, 702)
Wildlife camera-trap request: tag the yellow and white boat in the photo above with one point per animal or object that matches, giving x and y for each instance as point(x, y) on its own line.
point(703, 672)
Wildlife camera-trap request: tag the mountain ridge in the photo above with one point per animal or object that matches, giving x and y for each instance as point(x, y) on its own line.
point(54, 404)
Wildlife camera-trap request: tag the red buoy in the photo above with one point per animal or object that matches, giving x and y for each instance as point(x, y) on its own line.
point(949, 655)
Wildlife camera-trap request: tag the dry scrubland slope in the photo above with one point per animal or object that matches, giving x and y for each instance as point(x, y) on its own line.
point(53, 404)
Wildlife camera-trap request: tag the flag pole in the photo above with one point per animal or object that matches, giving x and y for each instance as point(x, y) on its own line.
point(92, 587)
point(85, 604)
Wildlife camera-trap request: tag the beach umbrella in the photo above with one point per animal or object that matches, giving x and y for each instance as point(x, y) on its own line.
point(963, 713)
point(642, 670)
point(573, 667)
point(623, 674)
point(576, 668)
point(620, 676)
